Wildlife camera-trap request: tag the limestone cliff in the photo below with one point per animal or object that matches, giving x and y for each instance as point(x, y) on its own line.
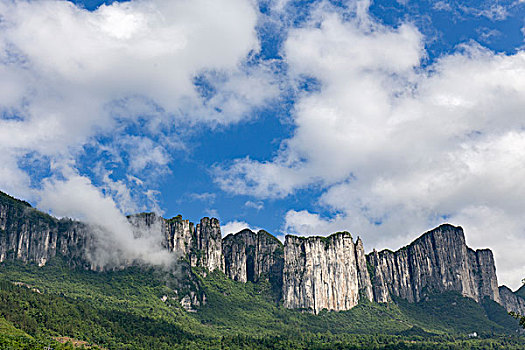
point(29, 235)
point(437, 261)
point(207, 247)
point(313, 273)
point(200, 244)
point(510, 301)
point(320, 273)
point(363, 277)
point(32, 236)
point(250, 256)
point(179, 235)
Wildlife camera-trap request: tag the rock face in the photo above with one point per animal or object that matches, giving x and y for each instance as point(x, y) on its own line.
point(239, 255)
point(313, 273)
point(201, 245)
point(510, 301)
point(437, 261)
point(320, 273)
point(29, 235)
point(32, 236)
point(207, 247)
point(179, 235)
point(250, 256)
point(363, 277)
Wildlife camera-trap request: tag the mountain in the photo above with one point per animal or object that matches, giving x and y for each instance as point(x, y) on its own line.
point(435, 285)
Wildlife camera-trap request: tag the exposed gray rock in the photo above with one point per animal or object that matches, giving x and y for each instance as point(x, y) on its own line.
point(363, 277)
point(29, 235)
point(483, 267)
point(320, 273)
point(32, 236)
point(437, 261)
point(510, 301)
point(269, 259)
point(250, 256)
point(239, 255)
point(313, 273)
point(207, 247)
point(179, 235)
point(201, 245)
point(145, 221)
point(379, 287)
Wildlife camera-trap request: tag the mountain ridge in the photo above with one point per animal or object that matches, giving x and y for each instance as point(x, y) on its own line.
point(309, 273)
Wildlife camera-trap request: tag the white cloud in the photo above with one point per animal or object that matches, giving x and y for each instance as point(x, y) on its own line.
point(494, 12)
point(70, 74)
point(258, 205)
point(144, 152)
point(399, 148)
point(234, 227)
point(116, 242)
point(69, 77)
point(442, 6)
point(68, 65)
point(205, 197)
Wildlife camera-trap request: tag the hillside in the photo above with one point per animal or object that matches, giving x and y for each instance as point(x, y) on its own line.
point(125, 310)
point(239, 291)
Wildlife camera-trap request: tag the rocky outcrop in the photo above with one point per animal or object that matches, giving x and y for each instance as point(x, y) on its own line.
point(32, 236)
point(250, 256)
point(200, 245)
point(206, 250)
point(363, 277)
point(510, 301)
point(179, 235)
point(313, 273)
point(269, 260)
point(437, 261)
point(483, 268)
point(320, 273)
point(29, 235)
point(379, 286)
point(239, 255)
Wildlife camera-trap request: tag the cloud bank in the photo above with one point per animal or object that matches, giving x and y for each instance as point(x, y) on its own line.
point(116, 81)
point(397, 147)
point(392, 145)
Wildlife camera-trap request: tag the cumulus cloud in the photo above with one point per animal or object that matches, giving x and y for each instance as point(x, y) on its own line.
point(120, 80)
point(397, 147)
point(205, 196)
point(258, 205)
point(70, 74)
point(234, 227)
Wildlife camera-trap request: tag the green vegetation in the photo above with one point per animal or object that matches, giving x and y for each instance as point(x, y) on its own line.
point(137, 308)
point(270, 238)
point(7, 199)
point(176, 219)
point(452, 313)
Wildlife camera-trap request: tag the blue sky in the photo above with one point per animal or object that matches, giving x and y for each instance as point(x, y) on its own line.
point(382, 118)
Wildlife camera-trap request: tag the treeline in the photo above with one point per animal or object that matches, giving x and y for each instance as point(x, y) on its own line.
point(126, 310)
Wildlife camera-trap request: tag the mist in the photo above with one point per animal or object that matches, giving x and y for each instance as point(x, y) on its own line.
point(116, 242)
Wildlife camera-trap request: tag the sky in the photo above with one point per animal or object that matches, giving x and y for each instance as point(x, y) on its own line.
point(381, 118)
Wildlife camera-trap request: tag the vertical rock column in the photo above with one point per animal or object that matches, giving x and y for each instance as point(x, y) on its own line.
point(269, 259)
point(320, 273)
point(238, 249)
point(363, 277)
point(207, 247)
point(179, 235)
point(250, 256)
point(379, 287)
point(485, 270)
